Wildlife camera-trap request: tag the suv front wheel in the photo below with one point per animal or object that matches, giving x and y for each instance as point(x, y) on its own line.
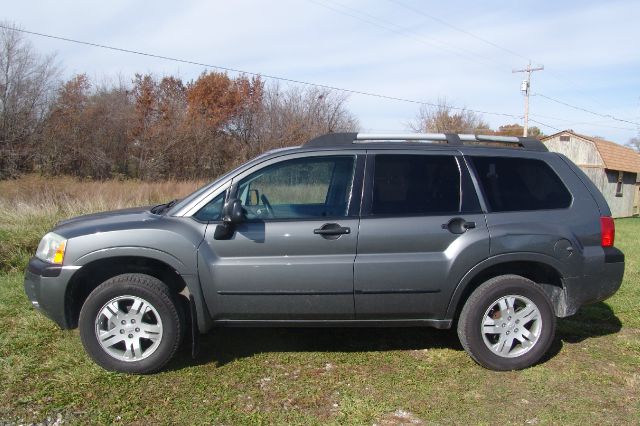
point(131, 323)
point(507, 323)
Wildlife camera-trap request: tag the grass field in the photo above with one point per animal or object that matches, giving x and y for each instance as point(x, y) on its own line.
point(301, 376)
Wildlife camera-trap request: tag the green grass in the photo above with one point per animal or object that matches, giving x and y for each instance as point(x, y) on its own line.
point(318, 376)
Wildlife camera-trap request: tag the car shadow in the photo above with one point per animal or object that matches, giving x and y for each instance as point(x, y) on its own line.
point(590, 321)
point(226, 344)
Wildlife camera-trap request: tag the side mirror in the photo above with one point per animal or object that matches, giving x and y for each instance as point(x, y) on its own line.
point(233, 212)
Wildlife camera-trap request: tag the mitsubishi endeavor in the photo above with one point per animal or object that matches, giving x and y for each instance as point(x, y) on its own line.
point(492, 235)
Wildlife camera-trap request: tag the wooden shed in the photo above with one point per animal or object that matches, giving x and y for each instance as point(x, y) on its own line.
point(614, 169)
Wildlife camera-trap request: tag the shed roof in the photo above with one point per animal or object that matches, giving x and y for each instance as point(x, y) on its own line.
point(615, 156)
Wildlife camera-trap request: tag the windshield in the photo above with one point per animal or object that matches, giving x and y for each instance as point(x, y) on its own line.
point(186, 200)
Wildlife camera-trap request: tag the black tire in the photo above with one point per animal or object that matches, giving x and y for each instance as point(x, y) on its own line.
point(485, 300)
point(170, 320)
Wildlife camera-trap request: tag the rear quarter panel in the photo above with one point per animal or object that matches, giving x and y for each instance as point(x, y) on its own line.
point(570, 235)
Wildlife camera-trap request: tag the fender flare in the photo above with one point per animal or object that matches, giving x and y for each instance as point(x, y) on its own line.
point(189, 277)
point(133, 251)
point(496, 260)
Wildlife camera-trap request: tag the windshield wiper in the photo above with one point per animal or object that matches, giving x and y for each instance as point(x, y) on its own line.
point(161, 208)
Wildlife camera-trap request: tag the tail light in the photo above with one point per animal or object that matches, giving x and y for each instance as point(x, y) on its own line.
point(607, 231)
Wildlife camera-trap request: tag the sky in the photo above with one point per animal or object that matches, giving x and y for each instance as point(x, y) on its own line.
point(461, 51)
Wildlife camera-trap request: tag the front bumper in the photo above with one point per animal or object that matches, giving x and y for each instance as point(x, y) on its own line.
point(45, 285)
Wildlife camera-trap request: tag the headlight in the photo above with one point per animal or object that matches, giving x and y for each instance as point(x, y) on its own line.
point(51, 248)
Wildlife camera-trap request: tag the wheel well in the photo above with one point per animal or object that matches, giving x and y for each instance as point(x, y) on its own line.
point(91, 275)
point(539, 273)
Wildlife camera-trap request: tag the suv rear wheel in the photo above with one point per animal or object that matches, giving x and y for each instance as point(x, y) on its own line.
point(507, 323)
point(131, 323)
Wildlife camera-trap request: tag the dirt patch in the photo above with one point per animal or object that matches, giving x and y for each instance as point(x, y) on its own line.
point(399, 418)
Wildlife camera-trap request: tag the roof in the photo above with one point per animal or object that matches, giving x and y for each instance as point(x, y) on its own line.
point(614, 156)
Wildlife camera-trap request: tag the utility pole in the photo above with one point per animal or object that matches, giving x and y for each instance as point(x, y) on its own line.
point(526, 86)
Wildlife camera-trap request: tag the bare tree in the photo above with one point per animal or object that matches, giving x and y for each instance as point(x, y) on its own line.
point(634, 143)
point(443, 118)
point(294, 115)
point(27, 82)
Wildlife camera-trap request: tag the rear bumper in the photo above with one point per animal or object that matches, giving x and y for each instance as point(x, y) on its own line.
point(594, 287)
point(45, 285)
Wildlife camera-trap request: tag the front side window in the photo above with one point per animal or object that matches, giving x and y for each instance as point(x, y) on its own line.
point(513, 184)
point(315, 187)
point(415, 185)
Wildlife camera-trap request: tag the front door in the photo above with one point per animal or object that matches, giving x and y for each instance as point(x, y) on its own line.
point(292, 258)
point(421, 229)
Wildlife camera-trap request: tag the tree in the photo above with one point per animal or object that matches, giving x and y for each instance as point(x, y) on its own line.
point(244, 122)
point(443, 118)
point(517, 130)
point(293, 116)
point(214, 98)
point(634, 143)
point(145, 116)
point(64, 132)
point(26, 83)
point(86, 131)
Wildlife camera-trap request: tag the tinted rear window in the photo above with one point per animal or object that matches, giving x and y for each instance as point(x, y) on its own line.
point(512, 184)
point(415, 185)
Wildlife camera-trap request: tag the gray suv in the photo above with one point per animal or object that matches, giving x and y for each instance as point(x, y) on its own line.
point(492, 235)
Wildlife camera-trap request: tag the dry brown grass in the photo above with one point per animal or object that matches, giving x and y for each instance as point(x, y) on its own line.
point(31, 205)
point(41, 195)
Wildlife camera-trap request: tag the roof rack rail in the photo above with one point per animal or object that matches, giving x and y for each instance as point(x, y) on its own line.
point(452, 139)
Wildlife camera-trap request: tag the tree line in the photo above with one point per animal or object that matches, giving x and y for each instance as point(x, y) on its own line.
point(151, 127)
point(443, 117)
point(163, 127)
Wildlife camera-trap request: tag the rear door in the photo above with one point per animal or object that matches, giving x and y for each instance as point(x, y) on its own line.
point(421, 230)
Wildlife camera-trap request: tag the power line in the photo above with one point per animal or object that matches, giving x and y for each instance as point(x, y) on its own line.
point(267, 76)
point(445, 23)
point(587, 110)
point(543, 124)
point(587, 123)
point(553, 74)
point(285, 79)
point(397, 29)
point(416, 36)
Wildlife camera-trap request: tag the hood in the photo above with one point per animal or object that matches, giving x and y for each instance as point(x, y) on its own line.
point(122, 219)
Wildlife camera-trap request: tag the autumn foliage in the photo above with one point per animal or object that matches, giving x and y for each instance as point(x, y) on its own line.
point(155, 128)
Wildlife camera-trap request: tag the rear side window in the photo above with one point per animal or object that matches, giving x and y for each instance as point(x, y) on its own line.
point(513, 184)
point(415, 185)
